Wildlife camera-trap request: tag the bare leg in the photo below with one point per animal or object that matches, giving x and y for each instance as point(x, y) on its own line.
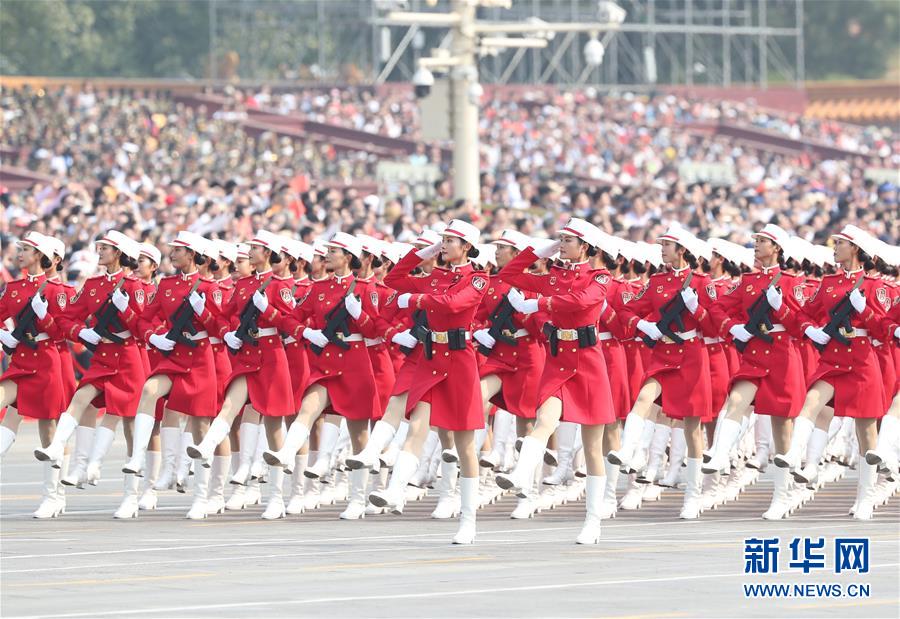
point(592, 440)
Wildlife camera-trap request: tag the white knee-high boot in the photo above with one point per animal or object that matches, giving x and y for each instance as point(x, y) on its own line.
point(594, 490)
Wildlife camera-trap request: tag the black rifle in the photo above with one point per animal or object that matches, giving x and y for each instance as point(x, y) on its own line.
point(759, 320)
point(247, 331)
point(421, 332)
point(502, 326)
point(26, 328)
point(839, 321)
point(336, 327)
point(107, 320)
point(671, 313)
point(182, 320)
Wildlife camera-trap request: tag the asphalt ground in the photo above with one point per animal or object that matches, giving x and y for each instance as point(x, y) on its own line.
point(648, 564)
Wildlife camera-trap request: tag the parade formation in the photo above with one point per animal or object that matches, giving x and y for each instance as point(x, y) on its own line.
point(370, 372)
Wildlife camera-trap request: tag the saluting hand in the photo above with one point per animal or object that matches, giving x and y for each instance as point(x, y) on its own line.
point(545, 249)
point(429, 252)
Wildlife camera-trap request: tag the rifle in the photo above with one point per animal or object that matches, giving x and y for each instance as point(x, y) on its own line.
point(183, 320)
point(247, 330)
point(421, 332)
point(671, 313)
point(26, 330)
point(501, 326)
point(758, 319)
point(336, 324)
point(552, 335)
point(839, 323)
point(107, 319)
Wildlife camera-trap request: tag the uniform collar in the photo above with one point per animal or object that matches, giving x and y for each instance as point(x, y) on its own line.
point(300, 280)
point(340, 278)
point(366, 280)
point(459, 267)
point(720, 278)
point(767, 270)
point(678, 272)
point(849, 273)
point(35, 278)
point(574, 266)
point(186, 277)
point(263, 274)
point(110, 276)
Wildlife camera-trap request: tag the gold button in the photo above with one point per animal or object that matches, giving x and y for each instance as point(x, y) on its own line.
point(849, 367)
point(767, 352)
point(340, 355)
point(328, 354)
point(849, 350)
point(434, 371)
point(326, 371)
point(446, 354)
point(562, 369)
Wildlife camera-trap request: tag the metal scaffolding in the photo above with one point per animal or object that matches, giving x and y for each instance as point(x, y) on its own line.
point(694, 42)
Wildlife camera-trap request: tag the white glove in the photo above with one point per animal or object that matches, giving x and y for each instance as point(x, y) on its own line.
point(90, 336)
point(39, 305)
point(198, 302)
point(120, 300)
point(546, 249)
point(405, 339)
point(740, 333)
point(7, 339)
point(316, 337)
point(774, 297)
point(520, 303)
point(817, 335)
point(429, 252)
point(897, 333)
point(484, 338)
point(858, 301)
point(691, 301)
point(161, 342)
point(403, 300)
point(650, 329)
point(233, 341)
point(260, 301)
point(353, 305)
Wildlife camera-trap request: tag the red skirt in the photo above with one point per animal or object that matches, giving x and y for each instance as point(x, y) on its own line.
point(348, 377)
point(519, 369)
point(578, 377)
point(222, 363)
point(777, 371)
point(117, 371)
point(67, 367)
point(635, 363)
point(888, 372)
point(854, 373)
point(193, 375)
point(265, 369)
point(407, 372)
point(719, 379)
point(619, 385)
point(809, 357)
point(383, 369)
point(298, 364)
point(449, 383)
point(683, 372)
point(40, 391)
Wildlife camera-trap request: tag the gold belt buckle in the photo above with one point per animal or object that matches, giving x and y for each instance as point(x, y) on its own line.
point(568, 335)
point(339, 335)
point(508, 333)
point(848, 332)
point(254, 333)
point(440, 337)
point(763, 329)
point(667, 340)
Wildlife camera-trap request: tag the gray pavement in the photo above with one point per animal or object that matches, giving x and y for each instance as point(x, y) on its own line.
point(649, 563)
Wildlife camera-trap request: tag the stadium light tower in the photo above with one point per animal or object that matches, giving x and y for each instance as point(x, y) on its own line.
point(471, 38)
